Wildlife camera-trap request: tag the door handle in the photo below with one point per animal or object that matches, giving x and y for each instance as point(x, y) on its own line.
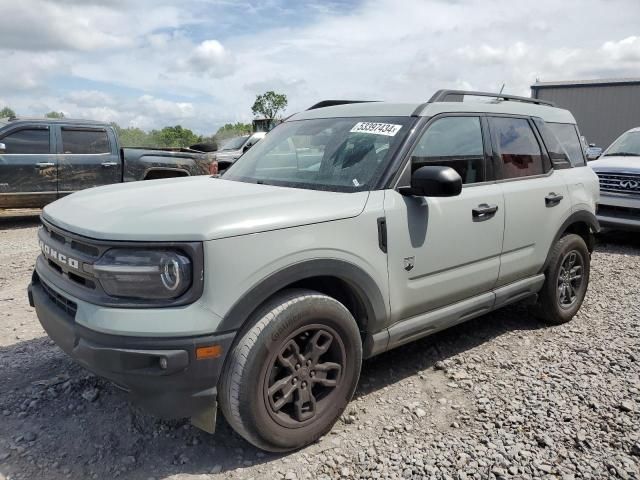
point(109, 164)
point(553, 199)
point(45, 164)
point(483, 212)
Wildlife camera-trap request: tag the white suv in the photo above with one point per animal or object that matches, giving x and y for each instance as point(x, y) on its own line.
point(349, 230)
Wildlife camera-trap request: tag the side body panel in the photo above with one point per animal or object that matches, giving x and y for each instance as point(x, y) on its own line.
point(139, 162)
point(438, 254)
point(531, 224)
point(235, 266)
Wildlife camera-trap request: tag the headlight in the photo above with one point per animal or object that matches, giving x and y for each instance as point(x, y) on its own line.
point(144, 274)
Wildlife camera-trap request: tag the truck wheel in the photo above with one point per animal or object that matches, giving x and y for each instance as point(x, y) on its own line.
point(292, 373)
point(567, 279)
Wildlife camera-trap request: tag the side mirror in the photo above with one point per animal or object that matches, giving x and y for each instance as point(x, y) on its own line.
point(592, 144)
point(433, 181)
point(3, 147)
point(246, 148)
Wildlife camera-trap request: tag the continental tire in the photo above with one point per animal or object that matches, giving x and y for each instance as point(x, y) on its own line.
point(567, 279)
point(293, 372)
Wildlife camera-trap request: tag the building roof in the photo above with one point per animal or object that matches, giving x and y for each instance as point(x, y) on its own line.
point(600, 82)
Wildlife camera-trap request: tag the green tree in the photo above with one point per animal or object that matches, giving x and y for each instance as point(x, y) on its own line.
point(231, 130)
point(54, 115)
point(269, 104)
point(7, 112)
point(176, 136)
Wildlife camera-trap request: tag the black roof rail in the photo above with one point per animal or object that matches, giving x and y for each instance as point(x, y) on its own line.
point(331, 103)
point(441, 96)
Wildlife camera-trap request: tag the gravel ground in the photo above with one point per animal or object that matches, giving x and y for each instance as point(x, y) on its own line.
point(502, 396)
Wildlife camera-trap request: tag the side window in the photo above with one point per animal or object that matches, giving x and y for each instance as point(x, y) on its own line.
point(77, 141)
point(570, 140)
point(517, 147)
point(27, 141)
point(557, 152)
point(454, 142)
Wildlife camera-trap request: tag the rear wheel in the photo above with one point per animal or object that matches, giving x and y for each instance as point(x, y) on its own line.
point(292, 374)
point(567, 279)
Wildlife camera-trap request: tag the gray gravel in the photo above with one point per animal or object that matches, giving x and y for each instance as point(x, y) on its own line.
point(502, 396)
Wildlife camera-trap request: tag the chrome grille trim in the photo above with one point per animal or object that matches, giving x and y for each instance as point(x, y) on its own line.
point(624, 183)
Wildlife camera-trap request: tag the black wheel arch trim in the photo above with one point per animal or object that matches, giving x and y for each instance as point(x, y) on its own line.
point(583, 217)
point(361, 283)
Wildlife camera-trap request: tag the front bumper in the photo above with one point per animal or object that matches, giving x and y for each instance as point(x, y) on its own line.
point(619, 212)
point(162, 375)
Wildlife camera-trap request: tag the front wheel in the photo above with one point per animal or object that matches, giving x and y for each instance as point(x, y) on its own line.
point(292, 374)
point(567, 279)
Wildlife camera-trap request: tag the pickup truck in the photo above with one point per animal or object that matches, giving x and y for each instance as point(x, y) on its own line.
point(42, 160)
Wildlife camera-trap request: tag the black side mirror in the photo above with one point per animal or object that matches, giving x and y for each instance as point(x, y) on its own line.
point(434, 181)
point(246, 147)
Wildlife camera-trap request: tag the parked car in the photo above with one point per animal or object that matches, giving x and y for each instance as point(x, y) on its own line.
point(593, 152)
point(619, 172)
point(349, 230)
point(233, 148)
point(42, 160)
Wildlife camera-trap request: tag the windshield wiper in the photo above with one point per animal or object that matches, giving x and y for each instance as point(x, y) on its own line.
point(622, 154)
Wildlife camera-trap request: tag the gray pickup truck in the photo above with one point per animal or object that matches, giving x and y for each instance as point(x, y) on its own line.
point(42, 160)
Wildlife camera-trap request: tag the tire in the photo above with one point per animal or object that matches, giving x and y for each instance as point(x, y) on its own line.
point(561, 297)
point(277, 400)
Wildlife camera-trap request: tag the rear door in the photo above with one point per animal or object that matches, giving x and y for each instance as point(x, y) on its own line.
point(28, 167)
point(536, 197)
point(88, 157)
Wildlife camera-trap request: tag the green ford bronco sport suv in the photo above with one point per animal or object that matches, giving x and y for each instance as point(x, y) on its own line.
point(351, 229)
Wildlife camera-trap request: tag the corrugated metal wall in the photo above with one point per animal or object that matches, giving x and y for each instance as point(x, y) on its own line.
point(603, 112)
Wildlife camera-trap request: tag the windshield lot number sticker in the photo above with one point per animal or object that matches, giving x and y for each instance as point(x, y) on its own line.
point(388, 129)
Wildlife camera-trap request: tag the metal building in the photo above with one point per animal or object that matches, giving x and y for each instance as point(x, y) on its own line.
point(604, 109)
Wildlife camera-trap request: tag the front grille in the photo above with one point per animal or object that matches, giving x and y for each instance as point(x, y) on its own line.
point(619, 212)
point(61, 301)
point(627, 183)
point(70, 247)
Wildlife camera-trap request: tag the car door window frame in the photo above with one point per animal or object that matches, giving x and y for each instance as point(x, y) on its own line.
point(60, 142)
point(497, 158)
point(18, 128)
point(403, 174)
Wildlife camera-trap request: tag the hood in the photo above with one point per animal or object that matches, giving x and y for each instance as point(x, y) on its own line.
point(616, 164)
point(195, 209)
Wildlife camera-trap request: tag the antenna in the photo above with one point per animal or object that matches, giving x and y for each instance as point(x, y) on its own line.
point(501, 88)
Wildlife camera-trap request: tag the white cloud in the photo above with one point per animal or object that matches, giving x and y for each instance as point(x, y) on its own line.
point(210, 57)
point(201, 63)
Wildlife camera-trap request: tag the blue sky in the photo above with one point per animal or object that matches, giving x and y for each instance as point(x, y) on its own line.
point(200, 63)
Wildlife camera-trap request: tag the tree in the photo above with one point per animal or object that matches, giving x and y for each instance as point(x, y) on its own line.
point(7, 112)
point(54, 115)
point(174, 137)
point(269, 104)
point(230, 130)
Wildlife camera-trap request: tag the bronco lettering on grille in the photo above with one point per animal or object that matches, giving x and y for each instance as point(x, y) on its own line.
point(61, 258)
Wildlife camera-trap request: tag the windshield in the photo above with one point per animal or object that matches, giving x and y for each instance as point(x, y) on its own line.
point(627, 145)
point(234, 143)
point(336, 154)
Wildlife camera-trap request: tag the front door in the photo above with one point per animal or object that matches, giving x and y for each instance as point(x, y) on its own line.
point(444, 250)
point(28, 168)
point(88, 157)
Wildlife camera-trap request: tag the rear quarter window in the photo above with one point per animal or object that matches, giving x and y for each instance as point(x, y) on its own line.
point(567, 134)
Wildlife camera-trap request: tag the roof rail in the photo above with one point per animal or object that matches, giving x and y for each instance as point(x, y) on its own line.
point(441, 96)
point(331, 103)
